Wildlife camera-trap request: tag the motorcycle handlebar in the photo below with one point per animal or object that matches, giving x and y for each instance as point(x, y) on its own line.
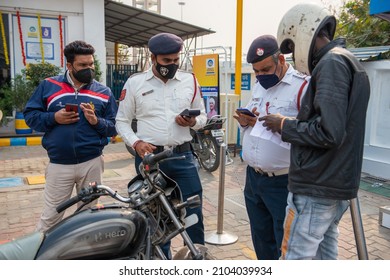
point(68, 203)
point(86, 193)
point(83, 195)
point(152, 159)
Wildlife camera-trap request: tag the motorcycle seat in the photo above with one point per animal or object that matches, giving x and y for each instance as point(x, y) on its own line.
point(24, 248)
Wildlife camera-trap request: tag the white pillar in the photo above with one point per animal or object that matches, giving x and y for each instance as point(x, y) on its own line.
point(94, 31)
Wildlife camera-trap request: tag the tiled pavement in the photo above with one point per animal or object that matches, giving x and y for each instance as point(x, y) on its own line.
point(20, 206)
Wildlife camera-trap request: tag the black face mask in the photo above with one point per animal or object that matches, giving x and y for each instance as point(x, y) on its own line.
point(269, 80)
point(167, 71)
point(84, 76)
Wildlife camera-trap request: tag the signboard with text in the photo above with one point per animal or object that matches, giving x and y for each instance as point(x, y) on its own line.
point(206, 70)
point(31, 39)
point(245, 81)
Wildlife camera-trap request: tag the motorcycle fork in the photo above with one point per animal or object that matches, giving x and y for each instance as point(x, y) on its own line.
point(187, 240)
point(149, 245)
point(160, 252)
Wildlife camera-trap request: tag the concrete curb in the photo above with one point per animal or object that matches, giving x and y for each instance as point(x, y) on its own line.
point(37, 140)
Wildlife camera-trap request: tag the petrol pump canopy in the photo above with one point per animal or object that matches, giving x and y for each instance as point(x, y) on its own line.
point(134, 27)
point(380, 8)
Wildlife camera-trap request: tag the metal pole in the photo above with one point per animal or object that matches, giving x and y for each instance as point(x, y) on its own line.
point(358, 229)
point(238, 69)
point(221, 237)
point(181, 9)
point(221, 190)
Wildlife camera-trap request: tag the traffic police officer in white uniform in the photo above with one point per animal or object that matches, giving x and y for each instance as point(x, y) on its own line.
point(278, 89)
point(156, 98)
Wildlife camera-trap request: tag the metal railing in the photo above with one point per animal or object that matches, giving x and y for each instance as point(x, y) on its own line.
point(117, 76)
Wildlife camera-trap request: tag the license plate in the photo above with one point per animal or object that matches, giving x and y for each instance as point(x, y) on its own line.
point(217, 132)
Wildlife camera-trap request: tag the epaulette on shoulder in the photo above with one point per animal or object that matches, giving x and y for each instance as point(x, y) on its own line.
point(185, 71)
point(299, 75)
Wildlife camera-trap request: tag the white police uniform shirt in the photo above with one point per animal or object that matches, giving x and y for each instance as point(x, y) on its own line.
point(281, 98)
point(155, 105)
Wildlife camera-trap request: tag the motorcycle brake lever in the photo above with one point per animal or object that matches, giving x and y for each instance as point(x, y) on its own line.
point(91, 197)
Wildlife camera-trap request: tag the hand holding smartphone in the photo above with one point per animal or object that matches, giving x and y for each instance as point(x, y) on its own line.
point(71, 107)
point(190, 113)
point(245, 111)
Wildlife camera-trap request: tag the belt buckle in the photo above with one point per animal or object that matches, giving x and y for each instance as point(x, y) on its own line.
point(260, 171)
point(167, 147)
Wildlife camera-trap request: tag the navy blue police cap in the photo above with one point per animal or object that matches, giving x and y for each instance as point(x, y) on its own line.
point(261, 48)
point(165, 43)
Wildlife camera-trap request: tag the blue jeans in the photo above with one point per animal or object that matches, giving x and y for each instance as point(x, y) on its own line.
point(311, 227)
point(266, 201)
point(185, 173)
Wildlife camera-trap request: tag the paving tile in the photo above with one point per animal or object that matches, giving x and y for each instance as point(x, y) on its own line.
point(11, 182)
point(36, 180)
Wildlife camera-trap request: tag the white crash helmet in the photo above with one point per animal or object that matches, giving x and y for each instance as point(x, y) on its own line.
point(297, 30)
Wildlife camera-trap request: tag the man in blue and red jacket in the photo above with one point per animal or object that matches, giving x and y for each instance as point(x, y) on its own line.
point(77, 115)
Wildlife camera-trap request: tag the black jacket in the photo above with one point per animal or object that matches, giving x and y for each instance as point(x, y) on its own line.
point(328, 136)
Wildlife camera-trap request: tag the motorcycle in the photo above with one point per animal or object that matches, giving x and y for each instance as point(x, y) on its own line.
point(136, 228)
point(206, 143)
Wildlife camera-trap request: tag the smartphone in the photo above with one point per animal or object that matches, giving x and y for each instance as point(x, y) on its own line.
point(71, 107)
point(246, 112)
point(190, 113)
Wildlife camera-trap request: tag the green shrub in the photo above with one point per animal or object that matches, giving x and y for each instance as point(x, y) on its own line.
point(16, 95)
point(38, 72)
point(98, 71)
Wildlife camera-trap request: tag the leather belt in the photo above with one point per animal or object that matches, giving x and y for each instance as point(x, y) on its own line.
point(271, 174)
point(185, 147)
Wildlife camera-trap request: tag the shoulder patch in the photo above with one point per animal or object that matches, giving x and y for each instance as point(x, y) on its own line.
point(123, 95)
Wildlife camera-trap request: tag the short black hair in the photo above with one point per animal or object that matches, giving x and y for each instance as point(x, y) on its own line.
point(76, 48)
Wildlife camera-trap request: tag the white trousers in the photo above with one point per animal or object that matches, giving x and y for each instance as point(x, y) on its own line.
point(60, 181)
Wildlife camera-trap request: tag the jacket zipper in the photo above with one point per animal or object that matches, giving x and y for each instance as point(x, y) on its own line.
point(76, 91)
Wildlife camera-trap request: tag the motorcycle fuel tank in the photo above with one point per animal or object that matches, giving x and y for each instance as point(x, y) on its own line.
point(107, 233)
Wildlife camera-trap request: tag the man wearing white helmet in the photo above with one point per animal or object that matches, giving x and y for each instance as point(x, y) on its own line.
point(326, 137)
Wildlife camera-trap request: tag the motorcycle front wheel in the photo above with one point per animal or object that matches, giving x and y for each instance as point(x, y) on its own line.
point(209, 157)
